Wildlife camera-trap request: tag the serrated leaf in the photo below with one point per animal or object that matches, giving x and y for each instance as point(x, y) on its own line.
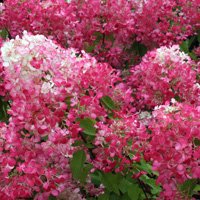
point(44, 138)
point(108, 103)
point(111, 182)
point(84, 173)
point(125, 197)
point(96, 178)
point(77, 164)
point(104, 196)
point(3, 33)
point(87, 125)
point(197, 188)
point(143, 165)
point(198, 77)
point(188, 186)
point(77, 143)
point(192, 55)
point(124, 185)
point(177, 98)
point(196, 142)
point(134, 192)
point(198, 36)
point(3, 110)
point(156, 189)
point(140, 48)
point(51, 197)
point(89, 48)
point(114, 196)
point(190, 41)
point(185, 46)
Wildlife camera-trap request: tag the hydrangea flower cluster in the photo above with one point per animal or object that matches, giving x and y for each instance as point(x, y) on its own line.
point(119, 143)
point(91, 25)
point(163, 74)
point(47, 17)
point(49, 95)
point(173, 147)
point(37, 89)
point(83, 115)
point(170, 21)
point(96, 27)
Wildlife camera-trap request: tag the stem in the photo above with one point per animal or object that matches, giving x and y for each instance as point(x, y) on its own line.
point(92, 156)
point(142, 185)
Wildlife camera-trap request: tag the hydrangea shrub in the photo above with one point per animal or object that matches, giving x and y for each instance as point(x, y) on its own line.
point(99, 100)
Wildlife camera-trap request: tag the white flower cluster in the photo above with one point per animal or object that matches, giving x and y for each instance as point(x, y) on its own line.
point(173, 54)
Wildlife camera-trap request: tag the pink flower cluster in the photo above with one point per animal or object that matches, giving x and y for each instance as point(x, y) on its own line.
point(119, 143)
point(49, 89)
point(106, 29)
point(91, 25)
point(163, 74)
point(173, 147)
point(165, 22)
point(63, 100)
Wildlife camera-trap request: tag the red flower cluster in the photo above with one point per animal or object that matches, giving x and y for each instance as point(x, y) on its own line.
point(107, 29)
point(163, 74)
point(48, 95)
point(64, 102)
point(173, 147)
point(165, 22)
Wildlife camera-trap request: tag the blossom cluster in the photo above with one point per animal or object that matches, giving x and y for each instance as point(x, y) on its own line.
point(170, 21)
point(91, 25)
point(96, 27)
point(74, 82)
point(163, 74)
point(173, 146)
point(49, 95)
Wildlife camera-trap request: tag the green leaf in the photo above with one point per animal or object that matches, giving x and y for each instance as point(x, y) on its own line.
point(140, 48)
point(196, 142)
point(68, 101)
point(192, 55)
point(112, 182)
point(125, 197)
point(78, 143)
point(3, 110)
point(197, 188)
point(3, 33)
point(84, 173)
point(89, 145)
point(96, 178)
point(198, 77)
point(156, 189)
point(144, 166)
point(51, 197)
point(177, 98)
point(44, 138)
point(185, 46)
point(99, 37)
point(191, 40)
point(198, 36)
point(114, 196)
point(104, 196)
point(87, 124)
point(89, 48)
point(108, 103)
point(77, 164)
point(134, 192)
point(110, 37)
point(124, 185)
point(188, 186)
